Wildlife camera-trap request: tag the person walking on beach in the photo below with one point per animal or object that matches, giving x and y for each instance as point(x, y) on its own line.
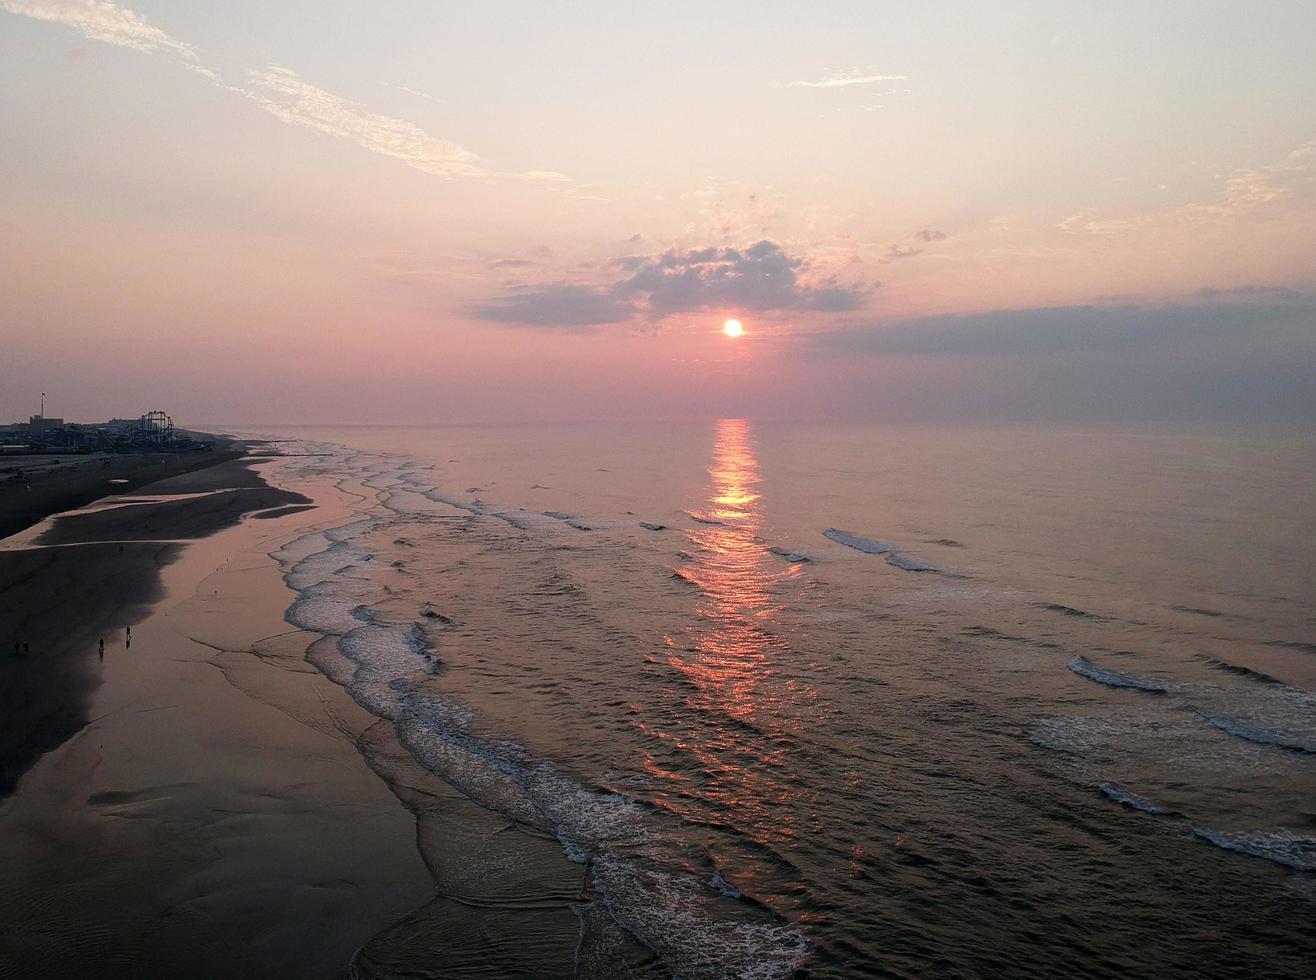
point(130, 637)
point(102, 648)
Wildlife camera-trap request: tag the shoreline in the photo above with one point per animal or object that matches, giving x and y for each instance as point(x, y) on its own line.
point(209, 812)
point(212, 791)
point(36, 487)
point(77, 575)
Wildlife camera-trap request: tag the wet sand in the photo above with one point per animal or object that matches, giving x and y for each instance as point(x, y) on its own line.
point(200, 808)
point(34, 487)
point(204, 801)
point(71, 579)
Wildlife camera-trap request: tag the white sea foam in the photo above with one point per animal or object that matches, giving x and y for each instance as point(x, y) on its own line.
point(672, 915)
point(320, 610)
point(1281, 846)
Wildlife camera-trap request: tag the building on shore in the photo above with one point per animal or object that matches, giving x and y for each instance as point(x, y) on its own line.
point(152, 432)
point(43, 423)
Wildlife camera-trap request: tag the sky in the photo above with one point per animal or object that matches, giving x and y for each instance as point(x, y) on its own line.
point(418, 212)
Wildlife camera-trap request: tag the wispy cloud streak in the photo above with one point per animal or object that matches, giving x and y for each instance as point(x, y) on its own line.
point(277, 90)
point(283, 94)
point(100, 20)
point(846, 79)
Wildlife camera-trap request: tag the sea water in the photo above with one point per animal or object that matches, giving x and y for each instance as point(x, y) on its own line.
point(856, 699)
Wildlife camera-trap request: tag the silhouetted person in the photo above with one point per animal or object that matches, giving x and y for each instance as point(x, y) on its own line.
point(129, 640)
point(102, 648)
point(27, 648)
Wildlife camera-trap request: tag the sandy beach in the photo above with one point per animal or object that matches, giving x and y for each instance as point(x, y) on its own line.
point(32, 487)
point(202, 799)
point(201, 808)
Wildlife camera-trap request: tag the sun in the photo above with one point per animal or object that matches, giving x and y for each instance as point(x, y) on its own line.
point(733, 328)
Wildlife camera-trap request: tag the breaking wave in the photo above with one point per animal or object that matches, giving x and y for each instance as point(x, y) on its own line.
point(1280, 846)
point(893, 556)
point(1254, 731)
point(1130, 799)
point(1086, 668)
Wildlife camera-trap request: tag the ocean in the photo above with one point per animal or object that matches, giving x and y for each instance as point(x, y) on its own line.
point(859, 700)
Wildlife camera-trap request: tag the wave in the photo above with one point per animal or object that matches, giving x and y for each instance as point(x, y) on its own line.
point(689, 927)
point(1281, 846)
point(1198, 611)
point(672, 914)
point(1291, 645)
point(1251, 731)
point(1086, 668)
point(649, 526)
point(384, 656)
point(893, 556)
point(429, 612)
point(1130, 799)
point(1056, 607)
point(702, 519)
point(319, 610)
point(792, 556)
point(868, 546)
point(642, 865)
point(724, 886)
point(571, 520)
point(363, 613)
point(908, 564)
point(1237, 669)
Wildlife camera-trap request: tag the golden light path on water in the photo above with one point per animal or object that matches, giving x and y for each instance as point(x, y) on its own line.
point(732, 665)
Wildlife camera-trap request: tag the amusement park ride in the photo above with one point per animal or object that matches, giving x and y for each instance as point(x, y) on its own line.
point(152, 432)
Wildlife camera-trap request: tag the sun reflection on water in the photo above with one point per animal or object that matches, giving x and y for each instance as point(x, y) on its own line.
point(731, 663)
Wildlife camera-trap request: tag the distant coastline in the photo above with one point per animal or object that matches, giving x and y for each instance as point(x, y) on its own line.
point(35, 486)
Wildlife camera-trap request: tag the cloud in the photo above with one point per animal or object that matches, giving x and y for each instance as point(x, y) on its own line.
point(410, 91)
point(1263, 188)
point(277, 90)
point(562, 305)
point(1282, 190)
point(1055, 330)
point(99, 20)
point(846, 79)
point(928, 235)
point(761, 277)
point(1277, 293)
point(284, 95)
point(898, 251)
